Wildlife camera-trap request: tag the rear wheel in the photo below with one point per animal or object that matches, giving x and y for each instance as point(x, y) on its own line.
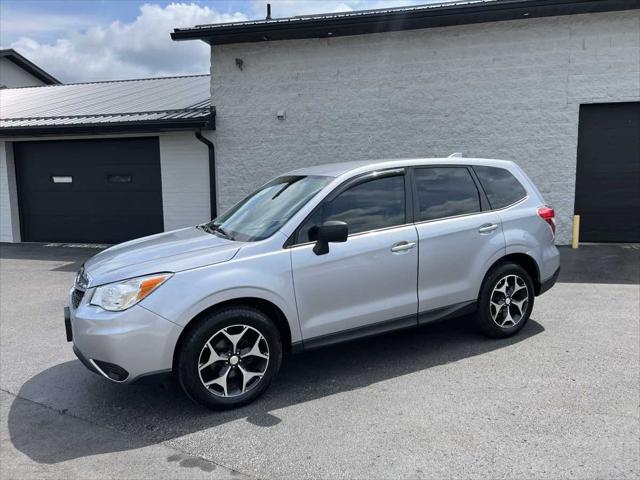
point(506, 300)
point(230, 358)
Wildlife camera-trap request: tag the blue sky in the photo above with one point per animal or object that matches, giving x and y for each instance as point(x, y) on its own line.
point(86, 40)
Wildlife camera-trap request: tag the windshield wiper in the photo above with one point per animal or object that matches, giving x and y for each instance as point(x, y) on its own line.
point(204, 227)
point(222, 232)
point(213, 228)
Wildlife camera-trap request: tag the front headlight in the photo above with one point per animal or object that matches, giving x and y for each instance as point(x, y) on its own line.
point(119, 296)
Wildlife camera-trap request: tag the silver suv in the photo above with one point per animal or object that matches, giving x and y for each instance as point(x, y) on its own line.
point(317, 256)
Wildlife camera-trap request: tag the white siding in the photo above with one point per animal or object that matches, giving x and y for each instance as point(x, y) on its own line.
point(9, 221)
point(507, 90)
point(184, 162)
point(12, 76)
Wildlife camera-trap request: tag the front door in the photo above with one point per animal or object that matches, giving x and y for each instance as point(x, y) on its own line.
point(457, 240)
point(367, 284)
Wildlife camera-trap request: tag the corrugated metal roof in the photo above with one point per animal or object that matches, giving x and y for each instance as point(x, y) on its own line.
point(156, 99)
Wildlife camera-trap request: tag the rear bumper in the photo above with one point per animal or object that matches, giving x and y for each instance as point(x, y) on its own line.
point(550, 282)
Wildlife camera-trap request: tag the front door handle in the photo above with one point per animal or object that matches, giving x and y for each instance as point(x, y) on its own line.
point(488, 228)
point(402, 246)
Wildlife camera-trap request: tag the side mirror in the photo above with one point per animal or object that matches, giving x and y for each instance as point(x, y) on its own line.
point(333, 231)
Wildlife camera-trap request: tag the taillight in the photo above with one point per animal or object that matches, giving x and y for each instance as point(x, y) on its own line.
point(548, 215)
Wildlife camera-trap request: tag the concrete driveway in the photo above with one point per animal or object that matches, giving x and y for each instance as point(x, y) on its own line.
point(561, 399)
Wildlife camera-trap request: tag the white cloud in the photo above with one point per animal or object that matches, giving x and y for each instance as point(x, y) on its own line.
point(139, 48)
point(287, 8)
point(84, 49)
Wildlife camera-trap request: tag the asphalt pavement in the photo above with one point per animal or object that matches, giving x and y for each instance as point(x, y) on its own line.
point(560, 399)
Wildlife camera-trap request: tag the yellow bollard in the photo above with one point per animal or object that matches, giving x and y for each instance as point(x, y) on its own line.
point(576, 231)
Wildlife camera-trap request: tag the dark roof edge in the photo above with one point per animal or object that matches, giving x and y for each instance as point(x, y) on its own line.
point(29, 66)
point(151, 126)
point(353, 23)
point(205, 110)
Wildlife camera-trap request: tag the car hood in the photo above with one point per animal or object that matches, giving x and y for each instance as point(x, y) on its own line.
point(173, 251)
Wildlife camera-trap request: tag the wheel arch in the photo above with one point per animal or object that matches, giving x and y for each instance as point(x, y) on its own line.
point(525, 261)
point(267, 307)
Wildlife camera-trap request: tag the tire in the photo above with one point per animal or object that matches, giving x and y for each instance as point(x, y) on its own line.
point(504, 306)
point(260, 354)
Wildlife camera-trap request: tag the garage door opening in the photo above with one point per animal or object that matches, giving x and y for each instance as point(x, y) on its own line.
point(608, 172)
point(90, 191)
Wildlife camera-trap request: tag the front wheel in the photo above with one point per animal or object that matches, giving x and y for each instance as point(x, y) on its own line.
point(230, 358)
point(505, 301)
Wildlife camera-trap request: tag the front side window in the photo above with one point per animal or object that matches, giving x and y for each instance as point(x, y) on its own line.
point(500, 185)
point(371, 205)
point(263, 212)
point(445, 192)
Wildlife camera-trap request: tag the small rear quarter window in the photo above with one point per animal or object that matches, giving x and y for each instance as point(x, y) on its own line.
point(501, 187)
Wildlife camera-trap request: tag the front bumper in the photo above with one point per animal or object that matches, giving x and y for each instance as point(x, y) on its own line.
point(123, 346)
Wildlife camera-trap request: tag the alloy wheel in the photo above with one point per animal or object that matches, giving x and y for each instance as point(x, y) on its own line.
point(509, 301)
point(233, 361)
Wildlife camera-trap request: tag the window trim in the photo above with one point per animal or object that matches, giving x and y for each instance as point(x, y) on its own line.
point(411, 198)
point(482, 198)
point(352, 182)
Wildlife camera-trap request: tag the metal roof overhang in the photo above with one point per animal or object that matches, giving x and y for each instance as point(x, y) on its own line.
point(150, 126)
point(388, 20)
point(107, 128)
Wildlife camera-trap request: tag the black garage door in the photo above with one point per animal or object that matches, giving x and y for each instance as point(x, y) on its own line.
point(608, 173)
point(99, 191)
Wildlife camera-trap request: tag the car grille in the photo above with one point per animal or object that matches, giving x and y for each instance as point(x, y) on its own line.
point(76, 297)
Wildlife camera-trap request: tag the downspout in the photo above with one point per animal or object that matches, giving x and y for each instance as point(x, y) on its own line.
point(212, 172)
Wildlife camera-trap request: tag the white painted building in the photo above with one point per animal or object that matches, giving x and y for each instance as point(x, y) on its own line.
point(105, 162)
point(17, 71)
point(553, 85)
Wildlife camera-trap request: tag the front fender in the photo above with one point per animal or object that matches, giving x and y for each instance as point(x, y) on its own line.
point(266, 277)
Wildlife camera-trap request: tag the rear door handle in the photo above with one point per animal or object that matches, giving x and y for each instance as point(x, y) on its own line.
point(402, 246)
point(488, 228)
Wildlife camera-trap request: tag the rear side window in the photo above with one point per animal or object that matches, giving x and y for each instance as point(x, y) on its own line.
point(445, 192)
point(500, 185)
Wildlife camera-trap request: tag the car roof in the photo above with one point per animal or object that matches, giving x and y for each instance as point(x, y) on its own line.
point(352, 168)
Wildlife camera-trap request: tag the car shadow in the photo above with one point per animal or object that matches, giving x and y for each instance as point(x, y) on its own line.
point(152, 415)
point(72, 257)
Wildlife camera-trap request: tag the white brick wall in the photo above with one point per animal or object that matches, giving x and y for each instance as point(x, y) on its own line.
point(502, 90)
point(9, 221)
point(184, 162)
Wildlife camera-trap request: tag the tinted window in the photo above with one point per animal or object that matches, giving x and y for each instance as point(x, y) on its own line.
point(446, 192)
point(501, 187)
point(366, 206)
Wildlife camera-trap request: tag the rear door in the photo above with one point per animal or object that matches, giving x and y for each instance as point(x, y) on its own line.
point(367, 284)
point(458, 237)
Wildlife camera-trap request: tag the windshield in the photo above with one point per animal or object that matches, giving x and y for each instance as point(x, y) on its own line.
point(263, 212)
